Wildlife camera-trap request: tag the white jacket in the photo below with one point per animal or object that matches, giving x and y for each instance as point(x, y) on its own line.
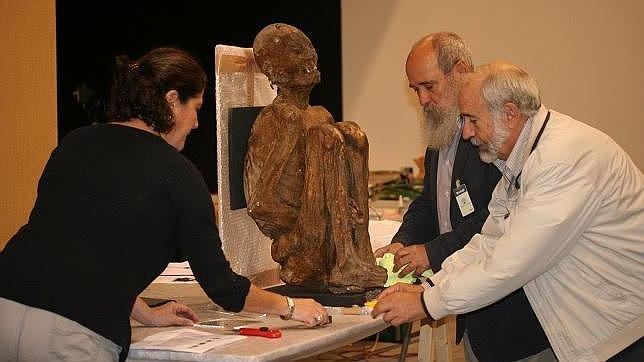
point(572, 237)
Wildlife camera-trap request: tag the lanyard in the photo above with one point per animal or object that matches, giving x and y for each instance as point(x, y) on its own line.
point(534, 145)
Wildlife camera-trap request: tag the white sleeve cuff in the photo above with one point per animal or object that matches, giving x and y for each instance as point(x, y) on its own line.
point(435, 304)
point(437, 277)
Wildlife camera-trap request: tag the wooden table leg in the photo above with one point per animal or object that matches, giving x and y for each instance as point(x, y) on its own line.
point(436, 340)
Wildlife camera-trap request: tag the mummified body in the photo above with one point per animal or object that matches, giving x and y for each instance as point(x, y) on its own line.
point(306, 176)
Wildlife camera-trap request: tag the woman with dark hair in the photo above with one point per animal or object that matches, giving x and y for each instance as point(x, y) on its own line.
point(115, 203)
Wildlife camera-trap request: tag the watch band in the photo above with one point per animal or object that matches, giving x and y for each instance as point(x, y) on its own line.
point(291, 309)
point(422, 302)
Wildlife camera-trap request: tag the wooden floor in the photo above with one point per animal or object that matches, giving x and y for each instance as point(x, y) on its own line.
point(378, 351)
point(366, 350)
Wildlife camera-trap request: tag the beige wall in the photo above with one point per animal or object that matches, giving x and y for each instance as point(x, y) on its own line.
point(586, 55)
point(28, 94)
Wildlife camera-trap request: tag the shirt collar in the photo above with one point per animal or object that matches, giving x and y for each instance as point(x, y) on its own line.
point(511, 167)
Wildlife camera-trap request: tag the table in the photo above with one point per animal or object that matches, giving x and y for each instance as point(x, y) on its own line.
point(296, 341)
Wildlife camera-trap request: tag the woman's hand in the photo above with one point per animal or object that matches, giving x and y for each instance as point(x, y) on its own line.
point(307, 311)
point(168, 314)
point(310, 312)
point(173, 314)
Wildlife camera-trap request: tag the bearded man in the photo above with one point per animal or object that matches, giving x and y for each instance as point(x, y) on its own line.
point(566, 224)
point(453, 205)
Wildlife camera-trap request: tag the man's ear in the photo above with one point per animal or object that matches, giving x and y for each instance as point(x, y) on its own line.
point(512, 114)
point(172, 97)
point(461, 67)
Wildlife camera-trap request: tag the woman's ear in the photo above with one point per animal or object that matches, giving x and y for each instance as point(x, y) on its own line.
point(172, 97)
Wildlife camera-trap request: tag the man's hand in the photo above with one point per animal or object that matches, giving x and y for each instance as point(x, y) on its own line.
point(400, 287)
point(413, 258)
point(399, 307)
point(391, 248)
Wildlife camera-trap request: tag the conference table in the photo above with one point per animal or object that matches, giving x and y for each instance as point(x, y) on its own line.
point(296, 342)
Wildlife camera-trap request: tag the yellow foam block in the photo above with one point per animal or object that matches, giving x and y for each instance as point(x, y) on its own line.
point(371, 303)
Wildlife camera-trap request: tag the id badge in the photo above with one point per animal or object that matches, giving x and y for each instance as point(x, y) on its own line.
point(463, 199)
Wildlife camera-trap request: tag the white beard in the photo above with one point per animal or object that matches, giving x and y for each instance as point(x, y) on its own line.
point(489, 152)
point(440, 122)
point(439, 127)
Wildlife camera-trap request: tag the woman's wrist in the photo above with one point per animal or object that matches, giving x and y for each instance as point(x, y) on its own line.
point(291, 309)
point(142, 313)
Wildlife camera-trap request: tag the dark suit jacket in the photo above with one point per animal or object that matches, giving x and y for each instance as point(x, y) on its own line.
point(508, 329)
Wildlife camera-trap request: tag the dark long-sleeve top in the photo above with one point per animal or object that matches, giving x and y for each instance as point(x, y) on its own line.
point(114, 205)
point(420, 223)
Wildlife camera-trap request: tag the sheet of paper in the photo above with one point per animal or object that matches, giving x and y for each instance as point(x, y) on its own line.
point(176, 273)
point(178, 269)
point(175, 279)
point(185, 340)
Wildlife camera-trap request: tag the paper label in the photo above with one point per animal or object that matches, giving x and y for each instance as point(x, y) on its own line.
point(463, 200)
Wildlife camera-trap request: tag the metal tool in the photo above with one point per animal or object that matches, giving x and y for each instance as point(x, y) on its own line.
point(225, 323)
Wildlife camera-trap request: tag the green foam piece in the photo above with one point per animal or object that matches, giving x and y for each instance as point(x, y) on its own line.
point(387, 262)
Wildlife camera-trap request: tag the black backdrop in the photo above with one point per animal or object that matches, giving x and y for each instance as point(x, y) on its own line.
point(89, 35)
